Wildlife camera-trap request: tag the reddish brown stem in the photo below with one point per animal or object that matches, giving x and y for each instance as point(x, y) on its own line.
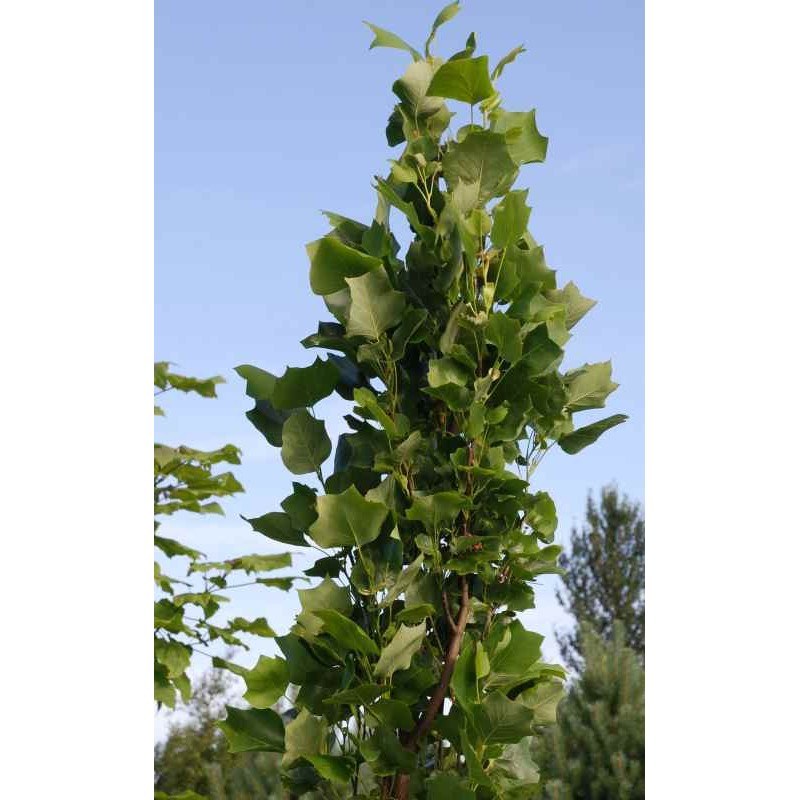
point(439, 694)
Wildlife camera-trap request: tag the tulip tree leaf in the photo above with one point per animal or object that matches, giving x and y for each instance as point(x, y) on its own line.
point(582, 437)
point(305, 736)
point(589, 386)
point(511, 217)
point(332, 262)
point(445, 15)
point(505, 61)
point(398, 653)
point(347, 519)
point(525, 144)
point(384, 38)
point(346, 632)
point(375, 305)
point(466, 79)
point(306, 445)
point(482, 160)
point(266, 682)
point(254, 729)
point(278, 526)
point(304, 386)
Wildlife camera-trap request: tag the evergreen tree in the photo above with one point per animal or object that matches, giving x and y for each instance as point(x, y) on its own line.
point(596, 752)
point(604, 574)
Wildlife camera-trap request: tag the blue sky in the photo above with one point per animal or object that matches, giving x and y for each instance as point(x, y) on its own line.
point(268, 112)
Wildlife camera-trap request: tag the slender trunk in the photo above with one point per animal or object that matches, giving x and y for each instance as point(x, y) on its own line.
point(424, 725)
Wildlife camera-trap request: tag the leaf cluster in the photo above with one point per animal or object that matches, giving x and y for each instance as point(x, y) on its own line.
point(185, 480)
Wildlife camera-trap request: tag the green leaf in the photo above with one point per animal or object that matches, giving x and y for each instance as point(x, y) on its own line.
point(416, 613)
point(300, 387)
point(260, 383)
point(466, 79)
point(505, 61)
point(346, 632)
point(173, 655)
point(437, 510)
point(300, 505)
point(482, 666)
point(278, 526)
point(391, 713)
point(332, 262)
point(221, 663)
point(384, 38)
point(338, 769)
point(306, 445)
point(504, 332)
point(589, 386)
point(512, 652)
point(375, 306)
point(398, 653)
point(407, 577)
point(482, 161)
point(347, 519)
point(541, 516)
point(582, 437)
point(446, 786)
point(361, 695)
point(266, 682)
point(445, 15)
point(253, 730)
point(499, 720)
point(543, 700)
point(511, 217)
point(305, 736)
point(172, 547)
point(577, 305)
point(326, 595)
point(412, 90)
point(525, 144)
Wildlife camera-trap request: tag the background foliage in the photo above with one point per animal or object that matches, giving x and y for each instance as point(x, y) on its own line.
point(604, 574)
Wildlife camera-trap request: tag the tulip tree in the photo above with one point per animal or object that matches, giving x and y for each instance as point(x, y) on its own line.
point(414, 676)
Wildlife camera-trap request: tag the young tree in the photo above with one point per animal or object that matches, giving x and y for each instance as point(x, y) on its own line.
point(416, 679)
point(604, 574)
point(596, 752)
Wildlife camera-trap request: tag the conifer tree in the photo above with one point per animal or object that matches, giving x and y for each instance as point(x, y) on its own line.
point(596, 752)
point(604, 574)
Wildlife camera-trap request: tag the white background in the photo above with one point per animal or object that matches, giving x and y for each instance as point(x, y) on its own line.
point(76, 182)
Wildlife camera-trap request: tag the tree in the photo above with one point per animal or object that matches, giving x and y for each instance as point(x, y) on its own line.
point(596, 752)
point(416, 678)
point(185, 481)
point(604, 574)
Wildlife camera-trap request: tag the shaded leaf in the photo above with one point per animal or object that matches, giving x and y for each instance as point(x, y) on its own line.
point(266, 682)
point(252, 730)
point(398, 653)
point(306, 445)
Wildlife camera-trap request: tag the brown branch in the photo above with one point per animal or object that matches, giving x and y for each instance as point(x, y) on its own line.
point(453, 649)
point(446, 603)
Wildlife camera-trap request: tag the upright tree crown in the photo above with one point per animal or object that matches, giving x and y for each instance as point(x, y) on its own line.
point(416, 679)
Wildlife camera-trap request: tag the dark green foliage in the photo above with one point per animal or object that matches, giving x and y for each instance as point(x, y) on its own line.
point(596, 752)
point(432, 536)
point(604, 573)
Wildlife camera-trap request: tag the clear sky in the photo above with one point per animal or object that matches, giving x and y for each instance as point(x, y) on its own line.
point(268, 112)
